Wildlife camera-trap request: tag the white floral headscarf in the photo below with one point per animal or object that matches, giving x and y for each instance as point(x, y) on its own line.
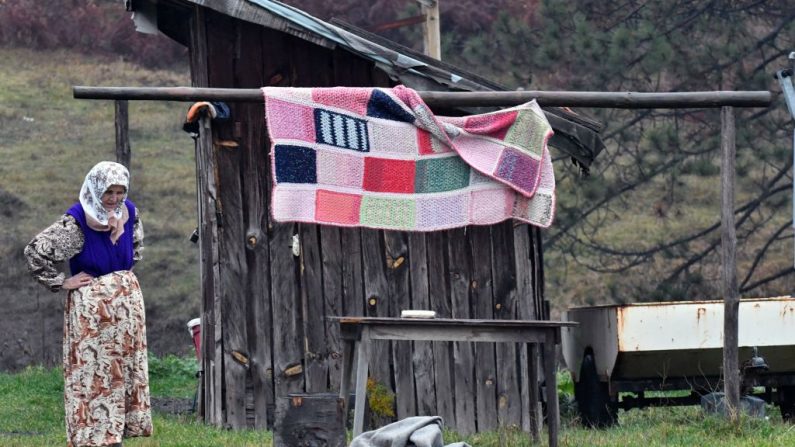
point(101, 177)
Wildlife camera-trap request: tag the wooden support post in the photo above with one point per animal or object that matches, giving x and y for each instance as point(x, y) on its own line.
point(731, 370)
point(123, 154)
point(430, 32)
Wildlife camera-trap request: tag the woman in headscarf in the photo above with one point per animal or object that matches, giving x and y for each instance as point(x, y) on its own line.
point(106, 381)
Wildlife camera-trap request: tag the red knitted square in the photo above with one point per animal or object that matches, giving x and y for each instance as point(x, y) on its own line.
point(337, 207)
point(385, 175)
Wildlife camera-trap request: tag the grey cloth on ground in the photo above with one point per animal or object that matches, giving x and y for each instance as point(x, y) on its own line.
point(417, 431)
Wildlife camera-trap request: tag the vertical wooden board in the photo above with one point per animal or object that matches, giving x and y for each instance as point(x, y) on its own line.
point(460, 265)
point(503, 272)
point(376, 292)
point(526, 309)
point(232, 274)
point(537, 261)
point(422, 357)
point(284, 276)
point(333, 299)
point(352, 272)
point(255, 185)
point(397, 263)
point(315, 367)
point(483, 308)
point(439, 301)
point(220, 52)
point(208, 243)
point(286, 305)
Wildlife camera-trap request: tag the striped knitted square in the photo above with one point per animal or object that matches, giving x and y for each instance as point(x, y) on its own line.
point(336, 129)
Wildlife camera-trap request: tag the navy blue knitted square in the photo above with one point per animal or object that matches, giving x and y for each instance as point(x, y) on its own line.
point(295, 164)
point(382, 106)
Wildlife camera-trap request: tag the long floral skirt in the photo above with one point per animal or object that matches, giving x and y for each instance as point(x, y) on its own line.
point(106, 378)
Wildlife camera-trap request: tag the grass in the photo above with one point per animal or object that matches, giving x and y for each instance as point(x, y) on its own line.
point(32, 412)
point(32, 415)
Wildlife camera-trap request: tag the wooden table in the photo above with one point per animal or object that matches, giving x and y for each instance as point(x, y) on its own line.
point(358, 332)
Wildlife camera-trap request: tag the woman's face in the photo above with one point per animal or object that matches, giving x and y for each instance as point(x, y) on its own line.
point(112, 197)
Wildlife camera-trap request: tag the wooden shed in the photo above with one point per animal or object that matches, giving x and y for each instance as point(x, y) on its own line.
point(267, 288)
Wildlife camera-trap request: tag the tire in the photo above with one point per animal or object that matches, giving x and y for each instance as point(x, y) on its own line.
point(594, 405)
point(786, 402)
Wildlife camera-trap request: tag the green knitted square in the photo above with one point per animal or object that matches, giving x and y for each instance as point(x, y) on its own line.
point(528, 132)
point(440, 174)
point(388, 212)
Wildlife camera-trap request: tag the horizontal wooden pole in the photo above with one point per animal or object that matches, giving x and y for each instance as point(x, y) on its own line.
point(620, 100)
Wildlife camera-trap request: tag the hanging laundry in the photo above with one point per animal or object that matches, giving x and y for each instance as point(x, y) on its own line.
point(379, 158)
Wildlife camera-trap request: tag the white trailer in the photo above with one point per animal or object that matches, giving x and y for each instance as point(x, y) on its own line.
point(638, 348)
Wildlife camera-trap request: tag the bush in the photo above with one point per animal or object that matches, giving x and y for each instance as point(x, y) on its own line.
point(92, 26)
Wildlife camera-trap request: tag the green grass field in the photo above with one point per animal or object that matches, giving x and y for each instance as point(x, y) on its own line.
point(31, 414)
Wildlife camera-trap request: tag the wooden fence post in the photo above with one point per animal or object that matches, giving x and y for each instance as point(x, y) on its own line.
point(731, 370)
point(123, 153)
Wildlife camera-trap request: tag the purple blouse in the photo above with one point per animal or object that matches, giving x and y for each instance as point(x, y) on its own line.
point(99, 255)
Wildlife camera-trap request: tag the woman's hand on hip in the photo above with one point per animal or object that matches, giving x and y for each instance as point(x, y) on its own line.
point(75, 282)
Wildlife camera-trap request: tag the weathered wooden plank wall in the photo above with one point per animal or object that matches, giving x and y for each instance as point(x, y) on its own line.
point(266, 333)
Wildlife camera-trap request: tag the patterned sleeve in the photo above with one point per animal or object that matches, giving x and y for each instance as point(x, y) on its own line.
point(138, 238)
point(57, 243)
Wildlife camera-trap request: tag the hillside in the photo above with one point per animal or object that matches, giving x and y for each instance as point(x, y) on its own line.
point(48, 141)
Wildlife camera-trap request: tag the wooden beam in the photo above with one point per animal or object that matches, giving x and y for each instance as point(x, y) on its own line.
point(431, 36)
point(620, 100)
point(731, 370)
point(123, 153)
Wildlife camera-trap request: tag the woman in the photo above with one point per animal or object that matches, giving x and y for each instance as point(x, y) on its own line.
point(106, 382)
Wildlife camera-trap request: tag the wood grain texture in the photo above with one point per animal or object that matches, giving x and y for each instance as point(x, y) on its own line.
point(439, 296)
point(376, 289)
point(483, 308)
point(503, 273)
point(256, 188)
point(397, 272)
point(460, 274)
point(728, 239)
point(122, 125)
point(422, 356)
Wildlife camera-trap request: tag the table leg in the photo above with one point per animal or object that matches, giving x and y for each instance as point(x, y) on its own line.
point(347, 372)
point(361, 384)
point(553, 413)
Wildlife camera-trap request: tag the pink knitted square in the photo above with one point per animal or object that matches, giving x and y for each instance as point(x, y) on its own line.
point(481, 154)
point(290, 121)
point(397, 138)
point(339, 169)
point(442, 212)
point(348, 98)
point(293, 204)
point(337, 207)
point(490, 206)
point(494, 125)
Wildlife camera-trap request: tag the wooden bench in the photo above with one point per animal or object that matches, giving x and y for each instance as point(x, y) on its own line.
point(358, 332)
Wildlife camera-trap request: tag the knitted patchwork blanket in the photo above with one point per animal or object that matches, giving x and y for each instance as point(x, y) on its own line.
point(379, 158)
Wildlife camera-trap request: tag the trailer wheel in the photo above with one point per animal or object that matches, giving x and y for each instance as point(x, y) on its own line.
point(593, 398)
point(786, 402)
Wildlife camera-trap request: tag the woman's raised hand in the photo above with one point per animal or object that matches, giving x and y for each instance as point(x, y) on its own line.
point(77, 281)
